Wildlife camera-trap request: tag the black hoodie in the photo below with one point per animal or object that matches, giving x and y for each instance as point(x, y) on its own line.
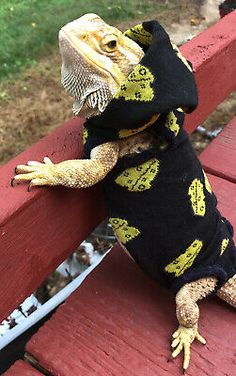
point(160, 202)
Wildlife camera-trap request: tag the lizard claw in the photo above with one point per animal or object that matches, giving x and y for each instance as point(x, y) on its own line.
point(13, 182)
point(182, 339)
point(36, 173)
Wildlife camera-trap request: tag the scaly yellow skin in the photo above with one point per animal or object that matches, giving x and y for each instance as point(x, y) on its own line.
point(187, 313)
point(74, 173)
point(91, 48)
point(105, 53)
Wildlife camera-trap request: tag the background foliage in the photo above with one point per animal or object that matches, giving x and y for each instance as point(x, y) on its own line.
point(29, 27)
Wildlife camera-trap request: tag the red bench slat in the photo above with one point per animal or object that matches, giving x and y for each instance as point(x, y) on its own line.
point(213, 54)
point(119, 323)
point(21, 368)
point(40, 228)
point(226, 194)
point(219, 158)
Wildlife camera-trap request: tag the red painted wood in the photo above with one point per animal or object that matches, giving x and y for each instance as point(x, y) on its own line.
point(213, 55)
point(219, 158)
point(40, 228)
point(21, 368)
point(226, 195)
point(120, 323)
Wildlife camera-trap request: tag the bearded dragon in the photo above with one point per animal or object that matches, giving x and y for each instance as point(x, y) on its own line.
point(101, 66)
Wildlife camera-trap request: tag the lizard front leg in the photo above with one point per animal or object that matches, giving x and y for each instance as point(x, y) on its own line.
point(72, 173)
point(187, 313)
point(228, 292)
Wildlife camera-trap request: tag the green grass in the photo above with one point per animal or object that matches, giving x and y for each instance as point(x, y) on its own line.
point(29, 28)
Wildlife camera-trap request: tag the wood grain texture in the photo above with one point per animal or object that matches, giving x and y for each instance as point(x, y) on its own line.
point(21, 368)
point(219, 158)
point(120, 323)
point(226, 195)
point(213, 55)
point(39, 229)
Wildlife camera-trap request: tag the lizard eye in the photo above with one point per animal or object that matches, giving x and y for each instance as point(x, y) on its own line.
point(109, 43)
point(112, 44)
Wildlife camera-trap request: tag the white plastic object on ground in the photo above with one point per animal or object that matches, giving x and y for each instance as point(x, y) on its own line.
point(50, 305)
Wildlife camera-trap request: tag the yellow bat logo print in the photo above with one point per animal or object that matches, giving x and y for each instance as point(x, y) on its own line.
point(137, 87)
point(185, 261)
point(224, 245)
point(122, 230)
point(197, 197)
point(139, 178)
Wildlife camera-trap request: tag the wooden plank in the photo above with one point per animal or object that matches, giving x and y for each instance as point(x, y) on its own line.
point(21, 368)
point(113, 325)
point(40, 228)
point(219, 158)
point(213, 55)
point(226, 195)
point(119, 323)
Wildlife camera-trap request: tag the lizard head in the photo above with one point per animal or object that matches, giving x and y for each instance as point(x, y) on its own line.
point(96, 58)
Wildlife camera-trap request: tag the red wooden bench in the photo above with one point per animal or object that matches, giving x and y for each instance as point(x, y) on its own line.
point(119, 322)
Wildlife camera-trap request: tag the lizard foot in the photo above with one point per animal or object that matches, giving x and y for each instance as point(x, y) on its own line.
point(37, 173)
point(182, 339)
